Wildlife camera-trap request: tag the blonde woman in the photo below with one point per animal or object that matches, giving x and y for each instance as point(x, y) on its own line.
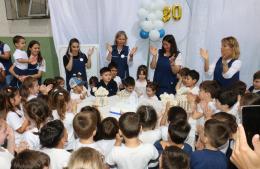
point(226, 69)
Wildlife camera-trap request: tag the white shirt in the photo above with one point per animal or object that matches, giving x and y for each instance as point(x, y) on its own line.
point(140, 87)
point(59, 157)
point(19, 54)
point(5, 158)
point(2, 66)
point(118, 81)
point(15, 121)
point(150, 136)
point(133, 158)
point(106, 146)
point(42, 66)
point(30, 97)
point(77, 144)
point(68, 124)
point(164, 132)
point(195, 90)
point(234, 111)
point(6, 49)
point(235, 67)
point(145, 97)
point(32, 139)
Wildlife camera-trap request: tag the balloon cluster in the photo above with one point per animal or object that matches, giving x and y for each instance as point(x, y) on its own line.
point(151, 16)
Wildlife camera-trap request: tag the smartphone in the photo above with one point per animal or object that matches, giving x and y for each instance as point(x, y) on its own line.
point(251, 121)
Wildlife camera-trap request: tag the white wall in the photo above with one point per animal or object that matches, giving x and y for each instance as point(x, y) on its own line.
point(28, 27)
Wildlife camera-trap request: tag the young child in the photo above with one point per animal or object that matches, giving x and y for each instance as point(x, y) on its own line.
point(85, 126)
point(2, 76)
point(21, 61)
point(129, 84)
point(60, 81)
point(148, 119)
point(182, 76)
point(5, 59)
point(191, 81)
point(178, 132)
point(216, 134)
point(62, 110)
point(174, 157)
point(93, 81)
point(107, 82)
point(256, 83)
point(31, 159)
point(119, 53)
point(141, 80)
point(133, 153)
point(151, 89)
point(109, 129)
point(29, 89)
point(15, 117)
point(78, 91)
point(6, 155)
point(37, 112)
point(114, 69)
point(53, 137)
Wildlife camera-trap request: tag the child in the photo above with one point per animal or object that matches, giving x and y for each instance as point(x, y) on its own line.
point(60, 81)
point(2, 76)
point(129, 84)
point(134, 153)
point(15, 117)
point(114, 69)
point(53, 137)
point(191, 81)
point(182, 76)
point(256, 83)
point(148, 119)
point(5, 59)
point(151, 89)
point(141, 80)
point(107, 82)
point(174, 157)
point(31, 159)
point(29, 89)
point(78, 91)
point(61, 110)
point(85, 126)
point(119, 53)
point(87, 158)
point(178, 132)
point(21, 61)
point(109, 129)
point(216, 134)
point(93, 81)
point(6, 155)
point(37, 112)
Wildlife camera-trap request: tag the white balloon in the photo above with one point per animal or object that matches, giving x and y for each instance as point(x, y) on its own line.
point(154, 35)
point(143, 13)
point(160, 4)
point(146, 25)
point(146, 4)
point(152, 6)
point(158, 24)
point(151, 16)
point(158, 14)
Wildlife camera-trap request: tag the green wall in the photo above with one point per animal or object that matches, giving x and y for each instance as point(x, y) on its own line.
point(47, 50)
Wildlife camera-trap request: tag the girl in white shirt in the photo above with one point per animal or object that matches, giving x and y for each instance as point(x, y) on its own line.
point(141, 81)
point(29, 89)
point(150, 91)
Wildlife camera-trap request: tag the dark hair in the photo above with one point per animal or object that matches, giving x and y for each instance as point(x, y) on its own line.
point(256, 75)
point(104, 70)
point(227, 118)
point(119, 33)
point(84, 124)
point(147, 116)
point(3, 111)
point(142, 68)
point(31, 44)
point(152, 85)
point(49, 81)
point(93, 80)
point(174, 50)
point(109, 128)
point(38, 110)
point(250, 99)
point(17, 38)
point(184, 71)
point(228, 97)
point(129, 124)
point(59, 79)
point(129, 81)
point(51, 133)
point(26, 85)
point(174, 157)
point(210, 86)
point(112, 65)
point(10, 93)
point(239, 87)
point(73, 40)
point(194, 75)
point(217, 132)
point(178, 131)
point(176, 113)
point(30, 159)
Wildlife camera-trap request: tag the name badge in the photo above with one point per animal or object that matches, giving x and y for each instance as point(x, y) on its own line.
point(81, 59)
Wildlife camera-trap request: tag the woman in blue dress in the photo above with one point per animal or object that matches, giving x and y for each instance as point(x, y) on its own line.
point(167, 62)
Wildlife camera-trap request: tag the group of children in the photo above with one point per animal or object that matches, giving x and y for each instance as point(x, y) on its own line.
point(41, 128)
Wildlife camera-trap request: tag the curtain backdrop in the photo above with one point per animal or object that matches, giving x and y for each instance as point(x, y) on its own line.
point(204, 24)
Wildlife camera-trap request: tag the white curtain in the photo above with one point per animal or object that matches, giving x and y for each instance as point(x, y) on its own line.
point(204, 24)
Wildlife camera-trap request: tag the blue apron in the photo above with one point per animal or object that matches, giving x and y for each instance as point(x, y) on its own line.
point(223, 82)
point(121, 60)
point(164, 76)
point(78, 67)
point(15, 82)
point(33, 69)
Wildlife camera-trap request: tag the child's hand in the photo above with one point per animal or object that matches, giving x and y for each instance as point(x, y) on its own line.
point(82, 96)
point(204, 54)
point(133, 51)
point(153, 51)
point(90, 51)
point(109, 48)
point(172, 61)
point(119, 140)
point(191, 98)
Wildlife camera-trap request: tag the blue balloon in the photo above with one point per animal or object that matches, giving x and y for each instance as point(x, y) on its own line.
point(143, 34)
point(162, 33)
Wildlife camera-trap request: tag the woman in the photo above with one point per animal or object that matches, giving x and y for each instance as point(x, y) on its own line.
point(75, 62)
point(167, 63)
point(226, 69)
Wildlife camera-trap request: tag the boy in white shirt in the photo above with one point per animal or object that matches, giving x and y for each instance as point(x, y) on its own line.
point(78, 91)
point(134, 153)
point(113, 68)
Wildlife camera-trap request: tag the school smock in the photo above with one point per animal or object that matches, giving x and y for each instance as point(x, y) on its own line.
point(163, 74)
point(6, 62)
point(35, 68)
